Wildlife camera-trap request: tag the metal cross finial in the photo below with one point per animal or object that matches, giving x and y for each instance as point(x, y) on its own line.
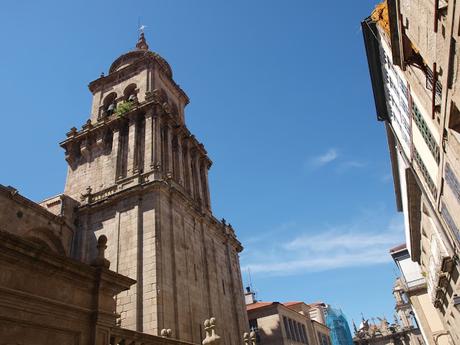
point(141, 28)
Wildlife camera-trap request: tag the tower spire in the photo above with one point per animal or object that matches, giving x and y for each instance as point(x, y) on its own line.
point(141, 42)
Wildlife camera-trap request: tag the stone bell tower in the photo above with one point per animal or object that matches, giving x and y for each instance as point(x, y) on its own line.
point(141, 179)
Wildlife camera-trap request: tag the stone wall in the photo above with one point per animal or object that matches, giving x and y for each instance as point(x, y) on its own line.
point(46, 298)
point(185, 262)
point(24, 217)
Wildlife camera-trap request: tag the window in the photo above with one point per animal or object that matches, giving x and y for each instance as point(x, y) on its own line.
point(323, 338)
point(425, 131)
point(286, 327)
point(304, 334)
point(452, 181)
point(297, 333)
point(425, 174)
point(253, 324)
point(454, 120)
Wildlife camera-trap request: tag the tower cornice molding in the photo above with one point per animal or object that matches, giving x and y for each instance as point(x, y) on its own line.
point(114, 194)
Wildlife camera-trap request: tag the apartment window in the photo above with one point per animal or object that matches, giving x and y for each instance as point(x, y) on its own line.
point(292, 330)
point(323, 338)
point(425, 174)
point(452, 181)
point(254, 326)
point(430, 82)
point(425, 131)
point(454, 120)
point(297, 332)
point(286, 327)
point(304, 334)
point(450, 221)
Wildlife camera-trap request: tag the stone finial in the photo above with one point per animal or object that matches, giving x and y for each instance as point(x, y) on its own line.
point(73, 131)
point(142, 43)
point(246, 338)
point(100, 260)
point(210, 328)
point(252, 338)
point(166, 333)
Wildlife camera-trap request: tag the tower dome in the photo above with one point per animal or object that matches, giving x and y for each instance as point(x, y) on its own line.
point(141, 52)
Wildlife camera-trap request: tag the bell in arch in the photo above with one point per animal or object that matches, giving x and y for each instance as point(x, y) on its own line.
point(111, 108)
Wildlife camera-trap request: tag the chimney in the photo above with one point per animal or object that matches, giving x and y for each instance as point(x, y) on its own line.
point(249, 296)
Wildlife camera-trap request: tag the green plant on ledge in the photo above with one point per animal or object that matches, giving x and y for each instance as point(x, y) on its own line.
point(123, 108)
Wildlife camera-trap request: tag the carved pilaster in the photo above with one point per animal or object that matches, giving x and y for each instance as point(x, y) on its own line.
point(168, 151)
point(132, 135)
point(180, 161)
point(115, 152)
point(205, 184)
point(197, 182)
point(188, 168)
point(148, 142)
point(156, 166)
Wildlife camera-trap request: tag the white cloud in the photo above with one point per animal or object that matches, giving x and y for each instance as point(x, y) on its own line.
point(328, 157)
point(362, 242)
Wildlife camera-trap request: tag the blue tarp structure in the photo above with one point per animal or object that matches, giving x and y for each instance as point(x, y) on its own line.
point(340, 331)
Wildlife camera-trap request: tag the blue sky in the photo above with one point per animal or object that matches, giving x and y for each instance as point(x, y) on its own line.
point(281, 98)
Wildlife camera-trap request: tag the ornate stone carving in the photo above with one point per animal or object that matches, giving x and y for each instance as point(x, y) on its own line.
point(166, 333)
point(100, 260)
point(211, 336)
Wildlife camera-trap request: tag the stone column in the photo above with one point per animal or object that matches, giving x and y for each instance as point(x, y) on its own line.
point(198, 186)
point(180, 161)
point(188, 168)
point(148, 142)
point(132, 135)
point(205, 184)
point(115, 152)
point(157, 168)
point(168, 151)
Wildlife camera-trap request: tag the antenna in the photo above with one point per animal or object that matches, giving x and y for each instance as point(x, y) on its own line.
point(250, 279)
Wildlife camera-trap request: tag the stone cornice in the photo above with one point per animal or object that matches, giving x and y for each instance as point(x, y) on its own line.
point(113, 195)
point(14, 195)
point(90, 130)
point(23, 249)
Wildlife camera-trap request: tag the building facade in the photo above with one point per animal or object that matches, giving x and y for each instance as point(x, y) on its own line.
point(413, 303)
point(384, 333)
point(405, 328)
point(285, 323)
point(139, 178)
point(411, 49)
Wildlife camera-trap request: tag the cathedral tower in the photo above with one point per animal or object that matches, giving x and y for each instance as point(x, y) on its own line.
point(141, 179)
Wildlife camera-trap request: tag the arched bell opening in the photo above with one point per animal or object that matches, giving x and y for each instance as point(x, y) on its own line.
point(130, 93)
point(109, 104)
